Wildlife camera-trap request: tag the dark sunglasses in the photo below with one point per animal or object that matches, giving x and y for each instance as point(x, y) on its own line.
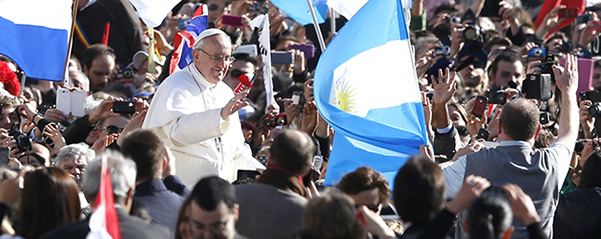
point(373, 208)
point(111, 129)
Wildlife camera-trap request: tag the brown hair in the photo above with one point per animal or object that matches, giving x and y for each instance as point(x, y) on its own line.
point(520, 119)
point(50, 199)
point(146, 149)
point(362, 179)
point(329, 217)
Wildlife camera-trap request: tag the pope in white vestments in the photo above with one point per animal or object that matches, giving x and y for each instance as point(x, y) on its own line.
point(196, 115)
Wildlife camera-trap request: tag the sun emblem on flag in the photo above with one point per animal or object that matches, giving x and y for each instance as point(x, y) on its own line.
point(346, 97)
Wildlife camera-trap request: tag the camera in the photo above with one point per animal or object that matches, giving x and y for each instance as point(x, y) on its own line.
point(584, 18)
point(595, 109)
point(547, 66)
point(473, 34)
point(454, 20)
point(496, 97)
point(544, 117)
point(537, 52)
point(276, 120)
point(594, 96)
point(537, 86)
point(442, 51)
point(124, 73)
point(23, 142)
point(257, 8)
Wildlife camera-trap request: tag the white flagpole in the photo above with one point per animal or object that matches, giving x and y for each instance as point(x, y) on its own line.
point(333, 21)
point(322, 43)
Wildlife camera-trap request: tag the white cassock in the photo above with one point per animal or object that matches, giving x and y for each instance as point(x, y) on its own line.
point(186, 113)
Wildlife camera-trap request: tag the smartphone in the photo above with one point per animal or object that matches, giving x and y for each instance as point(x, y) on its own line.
point(568, 13)
point(231, 20)
point(247, 174)
point(544, 118)
point(537, 86)
point(63, 100)
point(4, 156)
point(479, 106)
point(296, 97)
point(483, 134)
point(124, 107)
point(317, 162)
point(282, 58)
point(307, 49)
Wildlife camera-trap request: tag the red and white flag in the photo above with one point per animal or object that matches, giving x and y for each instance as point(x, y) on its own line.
point(104, 222)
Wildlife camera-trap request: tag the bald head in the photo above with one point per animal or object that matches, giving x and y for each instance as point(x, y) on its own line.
point(293, 150)
point(520, 119)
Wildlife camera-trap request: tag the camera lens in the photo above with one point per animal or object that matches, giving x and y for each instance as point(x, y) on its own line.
point(594, 109)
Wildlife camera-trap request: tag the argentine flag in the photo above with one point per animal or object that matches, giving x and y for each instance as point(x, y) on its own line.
point(366, 89)
point(35, 34)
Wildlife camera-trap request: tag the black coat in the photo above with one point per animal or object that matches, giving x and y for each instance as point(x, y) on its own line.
point(578, 214)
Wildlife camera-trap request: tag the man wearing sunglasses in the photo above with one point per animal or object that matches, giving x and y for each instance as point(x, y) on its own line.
point(243, 64)
point(196, 114)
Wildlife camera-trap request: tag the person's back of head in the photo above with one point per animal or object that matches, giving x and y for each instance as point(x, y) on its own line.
point(363, 179)
point(520, 119)
point(490, 216)
point(49, 200)
point(419, 190)
point(591, 172)
point(331, 216)
point(293, 150)
point(122, 172)
point(147, 150)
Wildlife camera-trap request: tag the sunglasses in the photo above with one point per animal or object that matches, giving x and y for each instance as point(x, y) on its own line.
point(373, 208)
point(112, 129)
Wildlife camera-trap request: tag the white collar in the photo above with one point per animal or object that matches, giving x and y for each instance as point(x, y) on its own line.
point(199, 77)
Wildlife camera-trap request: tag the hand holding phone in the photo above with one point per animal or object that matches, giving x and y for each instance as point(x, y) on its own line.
point(479, 106)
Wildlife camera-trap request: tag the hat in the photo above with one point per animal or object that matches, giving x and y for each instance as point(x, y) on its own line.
point(207, 33)
point(142, 56)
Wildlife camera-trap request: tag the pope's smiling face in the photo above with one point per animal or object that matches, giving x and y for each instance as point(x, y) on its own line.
point(209, 57)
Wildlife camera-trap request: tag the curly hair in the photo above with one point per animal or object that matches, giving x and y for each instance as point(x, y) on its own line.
point(362, 179)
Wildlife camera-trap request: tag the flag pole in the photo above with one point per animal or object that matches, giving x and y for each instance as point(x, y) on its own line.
point(73, 21)
point(333, 21)
point(322, 43)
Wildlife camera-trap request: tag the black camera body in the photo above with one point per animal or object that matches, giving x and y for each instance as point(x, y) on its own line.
point(496, 97)
point(23, 142)
point(547, 66)
point(594, 108)
point(126, 73)
point(593, 96)
point(537, 86)
point(473, 35)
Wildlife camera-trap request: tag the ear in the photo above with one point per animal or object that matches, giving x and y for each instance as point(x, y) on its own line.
point(491, 78)
point(165, 161)
point(500, 129)
point(236, 212)
point(508, 233)
point(196, 54)
point(85, 69)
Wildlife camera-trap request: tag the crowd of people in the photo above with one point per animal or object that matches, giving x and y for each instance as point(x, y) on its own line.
point(512, 109)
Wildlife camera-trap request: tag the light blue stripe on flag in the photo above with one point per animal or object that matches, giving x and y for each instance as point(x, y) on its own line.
point(366, 88)
point(39, 51)
point(298, 10)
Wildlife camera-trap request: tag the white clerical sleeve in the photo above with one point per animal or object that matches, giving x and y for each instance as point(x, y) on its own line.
point(197, 127)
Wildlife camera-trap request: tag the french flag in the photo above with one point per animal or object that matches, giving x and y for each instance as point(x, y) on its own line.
point(366, 88)
point(104, 222)
point(184, 40)
point(35, 34)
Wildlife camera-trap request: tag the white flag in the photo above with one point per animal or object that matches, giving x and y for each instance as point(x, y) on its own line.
point(153, 12)
point(262, 22)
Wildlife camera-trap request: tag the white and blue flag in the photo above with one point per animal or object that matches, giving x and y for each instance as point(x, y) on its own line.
point(366, 89)
point(298, 10)
point(35, 34)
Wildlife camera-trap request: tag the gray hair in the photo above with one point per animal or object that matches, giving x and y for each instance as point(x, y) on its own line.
point(75, 151)
point(121, 170)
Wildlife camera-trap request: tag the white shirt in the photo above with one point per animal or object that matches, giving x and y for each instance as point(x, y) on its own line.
point(186, 112)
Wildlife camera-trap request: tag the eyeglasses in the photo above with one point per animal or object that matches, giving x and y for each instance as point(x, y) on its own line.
point(112, 129)
point(218, 58)
point(218, 228)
